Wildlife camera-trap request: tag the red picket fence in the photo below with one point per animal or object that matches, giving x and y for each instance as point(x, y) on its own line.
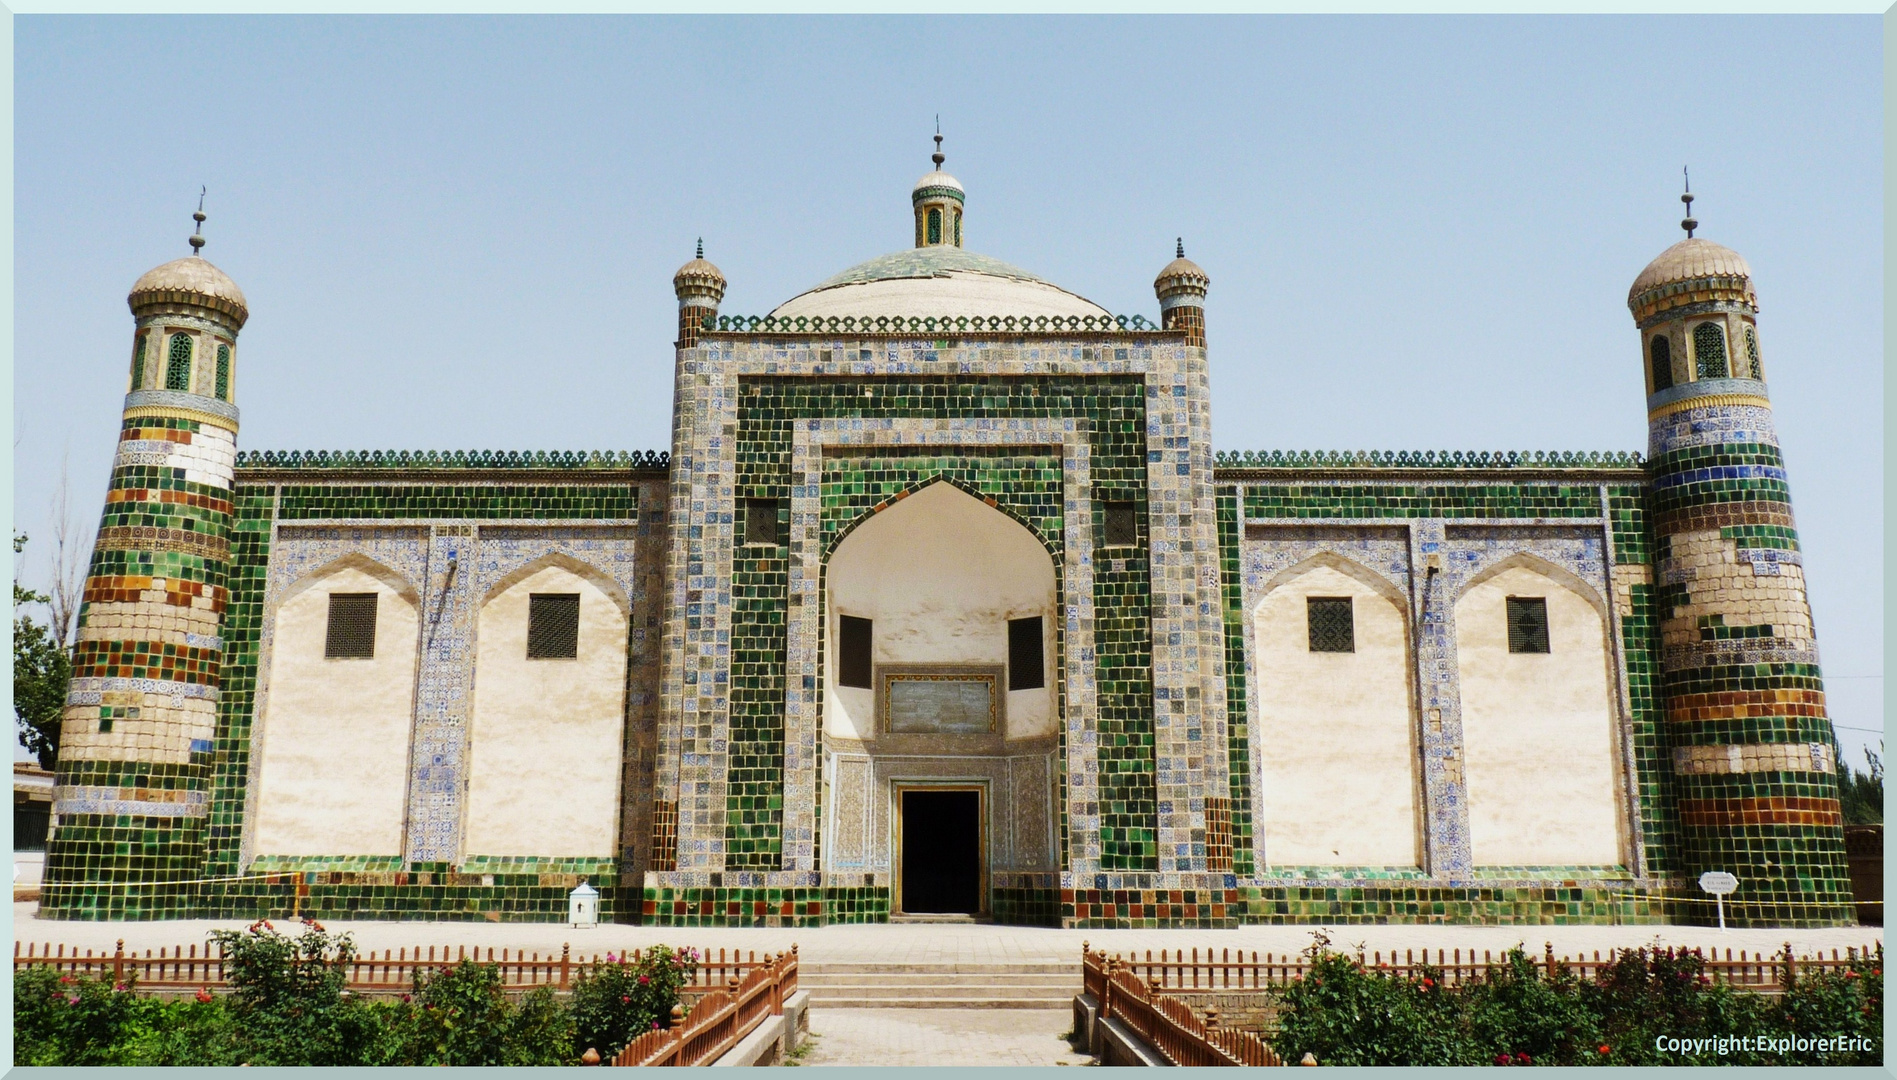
point(1234, 970)
point(390, 972)
point(1165, 1023)
point(720, 1019)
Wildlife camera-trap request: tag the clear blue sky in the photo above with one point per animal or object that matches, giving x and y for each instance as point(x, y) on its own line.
point(459, 233)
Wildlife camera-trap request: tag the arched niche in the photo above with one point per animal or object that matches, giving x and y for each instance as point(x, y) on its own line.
point(547, 732)
point(333, 736)
point(939, 574)
point(1337, 733)
point(1538, 728)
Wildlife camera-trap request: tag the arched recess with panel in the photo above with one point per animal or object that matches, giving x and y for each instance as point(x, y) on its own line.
point(337, 714)
point(1337, 731)
point(1538, 727)
point(549, 713)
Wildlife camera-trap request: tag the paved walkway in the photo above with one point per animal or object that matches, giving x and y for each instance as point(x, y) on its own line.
point(941, 1037)
point(950, 943)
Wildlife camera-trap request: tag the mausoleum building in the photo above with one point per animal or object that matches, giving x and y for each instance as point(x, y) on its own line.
point(941, 604)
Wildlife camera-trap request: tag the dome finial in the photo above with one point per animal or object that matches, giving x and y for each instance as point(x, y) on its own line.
point(1179, 252)
point(1688, 223)
point(701, 247)
point(938, 157)
point(197, 234)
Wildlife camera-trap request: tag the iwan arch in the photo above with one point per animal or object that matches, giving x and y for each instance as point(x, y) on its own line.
point(941, 604)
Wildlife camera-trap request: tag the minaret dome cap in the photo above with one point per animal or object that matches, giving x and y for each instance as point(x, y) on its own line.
point(699, 278)
point(190, 280)
point(1181, 278)
point(1693, 260)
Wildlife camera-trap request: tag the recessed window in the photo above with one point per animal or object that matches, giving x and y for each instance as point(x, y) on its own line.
point(1027, 661)
point(138, 362)
point(223, 373)
point(935, 225)
point(1752, 355)
point(853, 651)
point(553, 626)
point(1527, 624)
point(1122, 523)
point(1662, 352)
point(760, 522)
point(351, 627)
point(178, 364)
point(956, 216)
point(1332, 627)
point(1709, 351)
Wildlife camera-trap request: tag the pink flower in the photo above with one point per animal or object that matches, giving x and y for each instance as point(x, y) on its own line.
point(1504, 1059)
point(644, 979)
point(655, 1025)
point(119, 987)
point(1524, 1058)
point(624, 1000)
point(611, 959)
point(73, 1000)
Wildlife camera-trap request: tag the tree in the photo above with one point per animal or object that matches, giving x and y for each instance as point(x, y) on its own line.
point(42, 668)
point(1863, 793)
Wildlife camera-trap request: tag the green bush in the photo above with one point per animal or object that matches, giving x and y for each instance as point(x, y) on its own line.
point(1344, 1013)
point(616, 1003)
point(461, 1016)
point(70, 1020)
point(290, 1003)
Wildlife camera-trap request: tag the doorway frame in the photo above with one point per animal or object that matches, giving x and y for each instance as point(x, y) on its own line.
point(980, 788)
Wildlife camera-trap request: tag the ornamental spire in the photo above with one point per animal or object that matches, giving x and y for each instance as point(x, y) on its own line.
point(1689, 223)
point(197, 234)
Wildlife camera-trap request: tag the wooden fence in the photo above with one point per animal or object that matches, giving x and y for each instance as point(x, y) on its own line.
point(719, 1019)
point(1166, 1024)
point(1236, 971)
point(392, 971)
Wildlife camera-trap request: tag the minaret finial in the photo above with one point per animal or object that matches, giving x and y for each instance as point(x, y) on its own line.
point(1688, 223)
point(938, 157)
point(701, 247)
point(197, 234)
point(1180, 250)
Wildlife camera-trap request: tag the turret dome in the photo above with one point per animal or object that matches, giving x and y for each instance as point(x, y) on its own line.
point(1692, 259)
point(190, 280)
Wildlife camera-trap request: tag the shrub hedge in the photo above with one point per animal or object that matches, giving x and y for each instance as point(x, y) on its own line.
point(1649, 1007)
point(289, 1005)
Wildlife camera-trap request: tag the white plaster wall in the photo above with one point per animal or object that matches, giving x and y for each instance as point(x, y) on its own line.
point(333, 775)
point(1537, 730)
point(1337, 741)
point(544, 763)
point(941, 573)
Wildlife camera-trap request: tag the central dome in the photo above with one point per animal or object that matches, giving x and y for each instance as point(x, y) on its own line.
point(936, 282)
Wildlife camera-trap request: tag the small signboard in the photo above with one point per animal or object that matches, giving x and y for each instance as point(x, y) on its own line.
point(1719, 883)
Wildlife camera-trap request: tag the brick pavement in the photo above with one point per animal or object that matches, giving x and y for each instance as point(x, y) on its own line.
point(951, 943)
point(942, 1037)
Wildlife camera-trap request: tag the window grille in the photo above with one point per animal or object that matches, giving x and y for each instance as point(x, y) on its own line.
point(1709, 351)
point(138, 362)
point(1527, 624)
point(853, 651)
point(1662, 363)
point(760, 522)
point(956, 215)
point(1752, 355)
point(351, 626)
point(935, 226)
point(1027, 661)
point(553, 626)
point(1122, 524)
point(178, 367)
point(1332, 627)
point(223, 373)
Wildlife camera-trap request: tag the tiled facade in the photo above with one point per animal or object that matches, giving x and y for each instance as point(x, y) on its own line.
point(1141, 808)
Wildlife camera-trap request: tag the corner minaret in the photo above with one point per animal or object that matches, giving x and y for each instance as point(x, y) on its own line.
point(1181, 288)
point(137, 741)
point(938, 199)
point(700, 287)
point(1754, 758)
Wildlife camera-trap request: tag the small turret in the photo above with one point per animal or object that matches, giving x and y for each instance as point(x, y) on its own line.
point(701, 288)
point(1181, 288)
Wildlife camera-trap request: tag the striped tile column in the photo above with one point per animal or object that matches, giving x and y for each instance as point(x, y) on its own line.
point(1754, 758)
point(137, 740)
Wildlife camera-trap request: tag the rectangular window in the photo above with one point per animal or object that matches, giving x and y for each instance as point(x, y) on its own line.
point(1527, 624)
point(1332, 627)
point(351, 626)
point(760, 522)
point(553, 626)
point(1027, 662)
point(223, 372)
point(1122, 524)
point(853, 651)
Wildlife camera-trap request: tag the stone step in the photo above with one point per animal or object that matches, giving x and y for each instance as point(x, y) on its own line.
point(994, 1002)
point(945, 990)
point(1001, 970)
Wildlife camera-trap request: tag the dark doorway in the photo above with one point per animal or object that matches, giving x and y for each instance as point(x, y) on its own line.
point(941, 852)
